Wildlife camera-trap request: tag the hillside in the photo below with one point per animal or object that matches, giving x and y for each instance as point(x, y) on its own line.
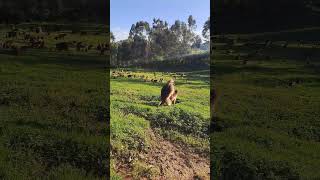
point(251, 16)
point(266, 121)
point(15, 11)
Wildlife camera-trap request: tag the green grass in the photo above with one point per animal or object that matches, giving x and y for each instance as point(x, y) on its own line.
point(264, 128)
point(53, 111)
point(134, 111)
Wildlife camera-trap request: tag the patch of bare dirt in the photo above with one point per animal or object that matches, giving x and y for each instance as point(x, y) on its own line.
point(173, 161)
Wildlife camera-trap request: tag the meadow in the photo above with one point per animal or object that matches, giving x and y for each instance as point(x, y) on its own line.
point(150, 141)
point(53, 108)
point(266, 121)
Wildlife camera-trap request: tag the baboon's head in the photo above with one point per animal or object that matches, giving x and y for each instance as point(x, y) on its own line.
point(171, 81)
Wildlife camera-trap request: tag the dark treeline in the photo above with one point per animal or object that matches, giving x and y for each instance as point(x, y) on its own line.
point(158, 40)
point(243, 16)
point(17, 11)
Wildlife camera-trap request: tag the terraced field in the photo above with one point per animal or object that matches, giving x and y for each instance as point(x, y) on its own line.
point(53, 113)
point(267, 115)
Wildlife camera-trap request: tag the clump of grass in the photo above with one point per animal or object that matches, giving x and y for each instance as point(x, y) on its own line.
point(142, 170)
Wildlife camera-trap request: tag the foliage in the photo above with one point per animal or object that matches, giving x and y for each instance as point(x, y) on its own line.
point(156, 41)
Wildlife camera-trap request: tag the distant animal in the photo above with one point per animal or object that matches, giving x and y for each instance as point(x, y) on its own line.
point(80, 46)
point(7, 44)
point(82, 33)
point(245, 61)
point(11, 34)
point(99, 47)
point(63, 46)
point(292, 83)
point(90, 47)
point(102, 51)
point(167, 91)
point(60, 36)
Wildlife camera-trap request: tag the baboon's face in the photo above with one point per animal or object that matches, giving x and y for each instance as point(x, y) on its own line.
point(171, 82)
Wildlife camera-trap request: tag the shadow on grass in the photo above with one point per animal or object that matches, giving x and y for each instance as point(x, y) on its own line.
point(82, 61)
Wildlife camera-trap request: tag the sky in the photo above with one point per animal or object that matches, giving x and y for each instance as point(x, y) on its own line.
point(124, 13)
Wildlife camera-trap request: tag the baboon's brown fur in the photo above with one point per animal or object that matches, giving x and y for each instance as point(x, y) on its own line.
point(167, 91)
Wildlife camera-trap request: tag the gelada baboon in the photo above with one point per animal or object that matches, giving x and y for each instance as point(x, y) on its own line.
point(173, 98)
point(168, 94)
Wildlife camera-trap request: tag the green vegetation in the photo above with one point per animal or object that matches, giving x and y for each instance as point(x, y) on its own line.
point(53, 110)
point(157, 41)
point(151, 141)
point(267, 114)
point(135, 117)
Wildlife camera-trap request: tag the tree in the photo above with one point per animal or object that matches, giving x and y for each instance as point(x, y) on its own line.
point(139, 34)
point(160, 38)
point(113, 49)
point(141, 29)
point(192, 23)
point(206, 30)
point(197, 42)
point(112, 37)
point(124, 52)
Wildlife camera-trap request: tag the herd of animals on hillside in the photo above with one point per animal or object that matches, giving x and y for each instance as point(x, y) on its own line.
point(17, 41)
point(260, 45)
point(156, 78)
point(168, 94)
point(245, 51)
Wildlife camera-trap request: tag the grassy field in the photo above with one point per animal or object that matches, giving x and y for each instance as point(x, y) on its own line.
point(148, 141)
point(53, 108)
point(267, 122)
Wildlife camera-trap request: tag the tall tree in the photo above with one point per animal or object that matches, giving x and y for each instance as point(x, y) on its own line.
point(192, 23)
point(139, 34)
point(206, 30)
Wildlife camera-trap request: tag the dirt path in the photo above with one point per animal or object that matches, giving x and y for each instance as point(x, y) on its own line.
point(174, 161)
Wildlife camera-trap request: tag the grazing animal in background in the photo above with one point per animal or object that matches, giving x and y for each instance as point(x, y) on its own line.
point(99, 47)
point(167, 91)
point(80, 46)
point(245, 61)
point(7, 44)
point(11, 34)
point(83, 33)
point(60, 36)
point(292, 83)
point(63, 46)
